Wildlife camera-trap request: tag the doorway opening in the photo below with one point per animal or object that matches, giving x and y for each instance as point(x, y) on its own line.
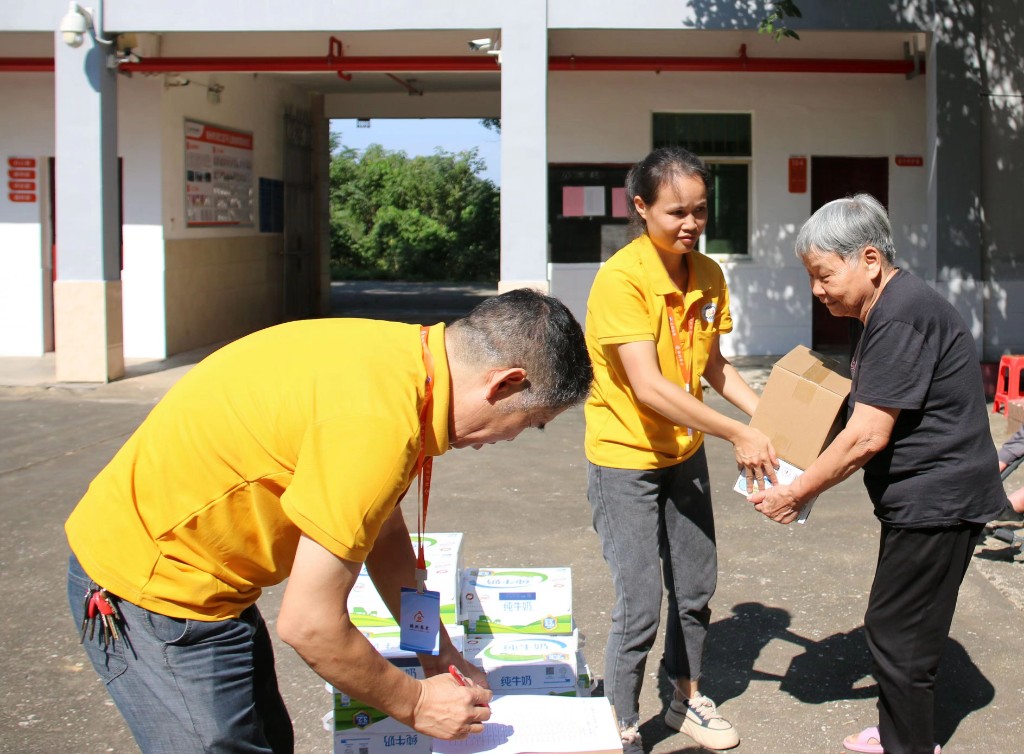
point(835, 178)
point(414, 216)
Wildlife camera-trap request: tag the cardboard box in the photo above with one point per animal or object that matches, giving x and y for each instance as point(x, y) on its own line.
point(365, 729)
point(443, 553)
point(584, 678)
point(517, 600)
point(408, 742)
point(1014, 416)
point(800, 410)
point(517, 663)
point(405, 661)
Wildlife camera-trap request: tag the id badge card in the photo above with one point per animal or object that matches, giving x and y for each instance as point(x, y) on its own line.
point(420, 621)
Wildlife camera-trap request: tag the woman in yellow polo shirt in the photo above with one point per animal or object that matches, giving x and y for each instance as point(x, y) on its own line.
point(654, 316)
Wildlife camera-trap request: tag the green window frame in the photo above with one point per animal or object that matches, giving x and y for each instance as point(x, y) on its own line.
point(724, 141)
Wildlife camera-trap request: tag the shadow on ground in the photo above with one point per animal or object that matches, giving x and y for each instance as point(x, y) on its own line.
point(836, 668)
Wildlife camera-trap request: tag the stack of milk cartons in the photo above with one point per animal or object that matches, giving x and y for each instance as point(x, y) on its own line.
point(357, 727)
point(361, 729)
point(519, 630)
point(443, 554)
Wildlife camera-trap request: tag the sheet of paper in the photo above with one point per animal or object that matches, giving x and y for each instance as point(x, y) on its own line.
point(535, 723)
point(593, 201)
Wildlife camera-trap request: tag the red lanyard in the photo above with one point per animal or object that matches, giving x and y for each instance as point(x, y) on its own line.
point(424, 463)
point(677, 343)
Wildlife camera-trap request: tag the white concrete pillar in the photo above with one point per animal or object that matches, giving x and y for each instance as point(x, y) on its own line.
point(87, 293)
point(524, 153)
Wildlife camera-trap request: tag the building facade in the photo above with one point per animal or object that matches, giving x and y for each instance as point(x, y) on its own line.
point(167, 177)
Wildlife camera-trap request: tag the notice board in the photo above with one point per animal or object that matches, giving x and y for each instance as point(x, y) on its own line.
point(584, 201)
point(218, 176)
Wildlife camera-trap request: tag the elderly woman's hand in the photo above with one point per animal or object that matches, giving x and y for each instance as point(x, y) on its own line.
point(777, 503)
point(755, 457)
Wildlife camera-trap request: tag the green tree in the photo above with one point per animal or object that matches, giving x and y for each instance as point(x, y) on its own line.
point(419, 218)
point(774, 23)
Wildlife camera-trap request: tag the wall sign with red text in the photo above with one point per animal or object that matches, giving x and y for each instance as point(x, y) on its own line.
point(798, 175)
point(218, 176)
point(909, 161)
point(21, 179)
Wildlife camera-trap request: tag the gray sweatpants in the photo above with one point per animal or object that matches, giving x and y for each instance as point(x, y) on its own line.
point(654, 525)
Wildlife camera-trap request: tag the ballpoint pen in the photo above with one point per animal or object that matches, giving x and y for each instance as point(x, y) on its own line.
point(461, 680)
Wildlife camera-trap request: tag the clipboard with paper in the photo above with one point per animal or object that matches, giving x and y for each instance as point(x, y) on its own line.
point(535, 724)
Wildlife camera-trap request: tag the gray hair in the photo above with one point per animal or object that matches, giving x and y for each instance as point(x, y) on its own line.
point(526, 329)
point(845, 227)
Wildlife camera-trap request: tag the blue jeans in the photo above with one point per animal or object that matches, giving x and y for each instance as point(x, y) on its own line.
point(186, 685)
point(657, 531)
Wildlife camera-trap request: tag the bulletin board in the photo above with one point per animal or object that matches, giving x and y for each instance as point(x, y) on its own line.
point(218, 176)
point(584, 201)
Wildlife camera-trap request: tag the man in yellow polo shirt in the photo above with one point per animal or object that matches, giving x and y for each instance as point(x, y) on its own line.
point(284, 455)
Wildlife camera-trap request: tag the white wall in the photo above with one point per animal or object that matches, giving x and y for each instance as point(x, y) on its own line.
point(249, 102)
point(142, 277)
point(26, 130)
point(151, 144)
point(222, 282)
point(793, 115)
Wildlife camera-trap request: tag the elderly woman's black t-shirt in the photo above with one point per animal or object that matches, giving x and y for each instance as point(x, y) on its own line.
point(940, 466)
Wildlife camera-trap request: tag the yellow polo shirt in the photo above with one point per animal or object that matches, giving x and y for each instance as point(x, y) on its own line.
point(309, 427)
point(628, 303)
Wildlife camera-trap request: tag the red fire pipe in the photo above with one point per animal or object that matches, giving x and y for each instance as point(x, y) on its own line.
point(729, 65)
point(26, 65)
point(482, 63)
point(369, 63)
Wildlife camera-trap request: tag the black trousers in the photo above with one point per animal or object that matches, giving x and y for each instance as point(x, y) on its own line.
point(910, 609)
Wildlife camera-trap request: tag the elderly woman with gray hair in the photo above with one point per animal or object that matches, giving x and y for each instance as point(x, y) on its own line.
point(918, 426)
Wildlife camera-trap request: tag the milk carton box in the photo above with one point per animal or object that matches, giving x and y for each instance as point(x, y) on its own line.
point(389, 636)
point(409, 742)
point(443, 555)
point(359, 729)
point(584, 678)
point(405, 661)
point(517, 601)
point(522, 663)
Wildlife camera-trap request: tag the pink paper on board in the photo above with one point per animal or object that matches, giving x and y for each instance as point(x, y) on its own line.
point(572, 201)
point(619, 207)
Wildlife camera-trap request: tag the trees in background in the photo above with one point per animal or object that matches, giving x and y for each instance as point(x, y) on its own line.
point(395, 217)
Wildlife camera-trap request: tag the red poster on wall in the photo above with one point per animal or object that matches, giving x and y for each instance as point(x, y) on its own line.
point(798, 175)
point(909, 161)
point(218, 175)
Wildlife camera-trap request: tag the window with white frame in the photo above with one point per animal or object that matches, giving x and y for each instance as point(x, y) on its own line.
point(724, 141)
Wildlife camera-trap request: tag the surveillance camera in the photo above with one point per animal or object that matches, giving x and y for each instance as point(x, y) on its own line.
point(71, 38)
point(74, 25)
point(480, 44)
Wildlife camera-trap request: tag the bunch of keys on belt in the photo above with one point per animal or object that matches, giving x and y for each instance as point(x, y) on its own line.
point(98, 605)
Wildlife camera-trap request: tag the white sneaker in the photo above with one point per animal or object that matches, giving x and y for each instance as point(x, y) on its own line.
point(699, 719)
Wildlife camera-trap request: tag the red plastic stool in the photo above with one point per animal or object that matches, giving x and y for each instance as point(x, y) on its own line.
point(1009, 382)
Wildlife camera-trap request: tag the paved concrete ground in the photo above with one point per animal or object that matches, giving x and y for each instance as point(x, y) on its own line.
point(786, 659)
